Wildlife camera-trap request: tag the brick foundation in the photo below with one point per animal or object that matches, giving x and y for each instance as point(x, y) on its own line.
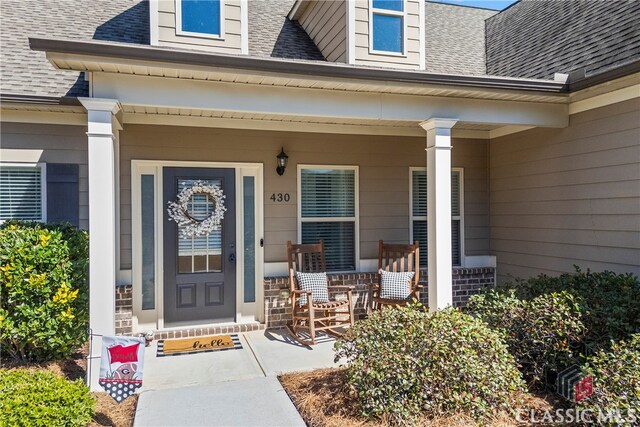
point(124, 310)
point(277, 308)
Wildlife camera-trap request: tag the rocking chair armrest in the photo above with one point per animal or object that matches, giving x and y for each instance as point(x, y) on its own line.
point(418, 287)
point(300, 292)
point(341, 288)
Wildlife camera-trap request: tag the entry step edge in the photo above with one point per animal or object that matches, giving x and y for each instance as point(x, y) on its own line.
point(209, 330)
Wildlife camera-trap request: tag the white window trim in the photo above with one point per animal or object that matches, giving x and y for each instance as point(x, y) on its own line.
point(43, 184)
point(453, 217)
point(388, 12)
point(154, 319)
point(179, 32)
point(355, 219)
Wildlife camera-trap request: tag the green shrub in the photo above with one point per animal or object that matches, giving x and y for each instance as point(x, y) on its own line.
point(405, 362)
point(609, 302)
point(616, 379)
point(539, 332)
point(41, 398)
point(43, 285)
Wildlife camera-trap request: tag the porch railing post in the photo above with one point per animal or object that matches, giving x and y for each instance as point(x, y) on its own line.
point(439, 212)
point(102, 138)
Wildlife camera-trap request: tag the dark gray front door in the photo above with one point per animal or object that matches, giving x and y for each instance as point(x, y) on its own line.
point(200, 271)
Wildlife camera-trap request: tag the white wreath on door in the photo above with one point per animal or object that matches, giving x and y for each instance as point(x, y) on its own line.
point(188, 225)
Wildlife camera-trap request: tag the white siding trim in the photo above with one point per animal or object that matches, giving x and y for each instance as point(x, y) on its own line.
point(244, 27)
point(605, 99)
point(179, 32)
point(154, 23)
point(351, 32)
point(421, 14)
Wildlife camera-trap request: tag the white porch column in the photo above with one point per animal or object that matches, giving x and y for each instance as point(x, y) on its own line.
point(439, 211)
point(102, 133)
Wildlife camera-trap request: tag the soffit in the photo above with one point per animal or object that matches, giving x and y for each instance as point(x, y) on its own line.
point(195, 72)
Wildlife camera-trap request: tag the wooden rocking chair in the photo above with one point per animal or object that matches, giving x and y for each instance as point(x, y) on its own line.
point(314, 316)
point(397, 258)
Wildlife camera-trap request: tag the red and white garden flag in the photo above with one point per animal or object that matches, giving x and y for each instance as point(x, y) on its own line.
point(121, 366)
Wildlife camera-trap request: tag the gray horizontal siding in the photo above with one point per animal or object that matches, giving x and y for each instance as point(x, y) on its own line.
point(569, 196)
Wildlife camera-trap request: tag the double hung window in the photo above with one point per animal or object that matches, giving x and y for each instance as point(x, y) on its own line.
point(22, 192)
point(200, 17)
point(419, 214)
point(328, 211)
point(387, 26)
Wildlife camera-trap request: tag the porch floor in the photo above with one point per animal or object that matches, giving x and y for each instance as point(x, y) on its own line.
point(236, 387)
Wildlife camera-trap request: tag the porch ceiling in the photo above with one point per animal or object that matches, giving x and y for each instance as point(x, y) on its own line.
point(139, 114)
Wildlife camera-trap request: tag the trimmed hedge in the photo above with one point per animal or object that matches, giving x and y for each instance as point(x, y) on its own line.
point(609, 303)
point(44, 290)
point(40, 398)
point(616, 380)
point(541, 333)
point(405, 362)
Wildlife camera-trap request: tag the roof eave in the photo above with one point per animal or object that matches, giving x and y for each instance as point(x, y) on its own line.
point(585, 82)
point(320, 69)
point(38, 99)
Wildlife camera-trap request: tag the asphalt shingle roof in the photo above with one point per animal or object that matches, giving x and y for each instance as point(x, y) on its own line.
point(23, 71)
point(537, 38)
point(533, 38)
point(454, 38)
point(271, 33)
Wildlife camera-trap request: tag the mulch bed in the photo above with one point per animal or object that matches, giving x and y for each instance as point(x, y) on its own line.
point(323, 400)
point(108, 411)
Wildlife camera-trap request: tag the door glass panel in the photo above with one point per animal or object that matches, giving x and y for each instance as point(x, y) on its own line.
point(148, 243)
point(249, 239)
point(200, 254)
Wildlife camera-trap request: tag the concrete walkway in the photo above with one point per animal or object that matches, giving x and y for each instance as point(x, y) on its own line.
point(228, 388)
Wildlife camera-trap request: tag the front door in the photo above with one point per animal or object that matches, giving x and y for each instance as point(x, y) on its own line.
point(199, 270)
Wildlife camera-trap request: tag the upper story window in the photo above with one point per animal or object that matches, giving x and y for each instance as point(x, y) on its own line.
point(202, 18)
point(386, 26)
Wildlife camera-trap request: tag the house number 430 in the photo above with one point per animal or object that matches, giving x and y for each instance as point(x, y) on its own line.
point(280, 197)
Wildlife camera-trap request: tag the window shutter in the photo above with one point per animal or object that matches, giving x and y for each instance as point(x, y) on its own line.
point(455, 193)
point(63, 193)
point(21, 193)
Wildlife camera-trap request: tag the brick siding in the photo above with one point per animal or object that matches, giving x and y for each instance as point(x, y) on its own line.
point(277, 307)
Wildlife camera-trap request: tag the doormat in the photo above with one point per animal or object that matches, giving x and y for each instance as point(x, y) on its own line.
point(194, 345)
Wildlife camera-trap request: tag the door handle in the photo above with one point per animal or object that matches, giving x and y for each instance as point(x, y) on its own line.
point(232, 258)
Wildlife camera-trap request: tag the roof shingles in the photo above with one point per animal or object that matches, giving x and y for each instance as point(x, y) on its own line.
point(537, 38)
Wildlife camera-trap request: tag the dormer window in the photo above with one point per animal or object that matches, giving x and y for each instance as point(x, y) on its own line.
point(386, 26)
point(200, 18)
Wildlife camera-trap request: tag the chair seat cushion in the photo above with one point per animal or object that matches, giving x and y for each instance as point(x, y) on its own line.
point(316, 283)
point(395, 286)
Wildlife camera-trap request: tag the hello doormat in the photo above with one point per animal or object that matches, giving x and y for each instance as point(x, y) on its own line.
point(198, 345)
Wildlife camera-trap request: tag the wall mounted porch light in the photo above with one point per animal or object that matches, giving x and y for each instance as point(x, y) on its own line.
point(282, 162)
